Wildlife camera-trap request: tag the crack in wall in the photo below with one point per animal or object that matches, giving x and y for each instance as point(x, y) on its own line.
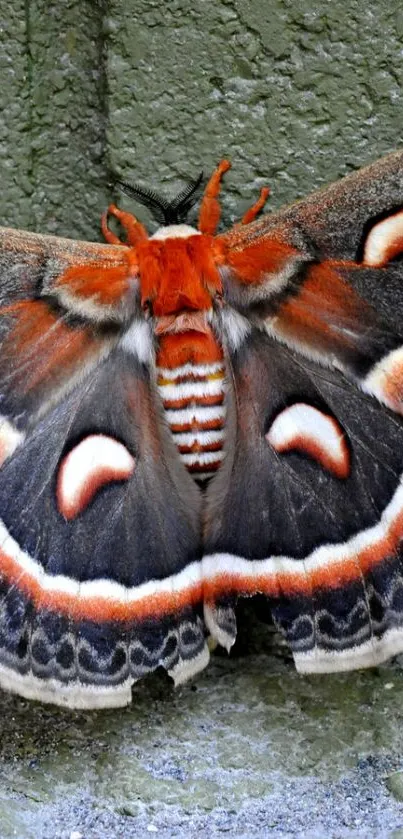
point(103, 86)
point(29, 81)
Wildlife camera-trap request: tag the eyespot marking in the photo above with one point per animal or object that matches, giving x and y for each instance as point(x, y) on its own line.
point(92, 464)
point(310, 431)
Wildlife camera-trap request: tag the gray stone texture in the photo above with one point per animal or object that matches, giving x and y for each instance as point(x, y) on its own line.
point(296, 94)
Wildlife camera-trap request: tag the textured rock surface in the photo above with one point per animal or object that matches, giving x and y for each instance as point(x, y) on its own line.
point(52, 99)
point(296, 94)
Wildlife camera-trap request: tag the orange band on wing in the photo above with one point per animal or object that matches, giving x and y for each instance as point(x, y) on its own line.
point(255, 262)
point(326, 311)
point(107, 284)
point(42, 346)
point(99, 609)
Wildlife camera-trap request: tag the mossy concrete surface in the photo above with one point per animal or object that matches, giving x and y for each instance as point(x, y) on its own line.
point(295, 94)
point(52, 101)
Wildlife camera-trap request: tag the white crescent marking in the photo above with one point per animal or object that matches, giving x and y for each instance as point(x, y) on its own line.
point(94, 462)
point(384, 240)
point(304, 428)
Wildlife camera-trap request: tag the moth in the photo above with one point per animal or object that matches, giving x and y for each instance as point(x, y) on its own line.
point(190, 417)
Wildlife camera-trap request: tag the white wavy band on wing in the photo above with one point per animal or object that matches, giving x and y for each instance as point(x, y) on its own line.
point(216, 574)
point(365, 654)
point(103, 590)
point(72, 695)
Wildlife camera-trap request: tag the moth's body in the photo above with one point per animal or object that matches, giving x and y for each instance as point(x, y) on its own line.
point(190, 366)
point(193, 398)
point(128, 370)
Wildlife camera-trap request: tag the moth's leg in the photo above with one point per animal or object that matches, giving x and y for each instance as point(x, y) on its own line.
point(253, 211)
point(135, 232)
point(210, 209)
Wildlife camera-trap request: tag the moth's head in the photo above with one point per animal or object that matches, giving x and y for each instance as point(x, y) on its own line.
point(178, 265)
point(177, 274)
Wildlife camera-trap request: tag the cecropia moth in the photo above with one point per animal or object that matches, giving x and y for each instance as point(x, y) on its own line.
point(188, 418)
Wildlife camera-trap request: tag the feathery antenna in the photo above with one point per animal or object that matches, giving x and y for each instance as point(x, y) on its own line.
point(165, 212)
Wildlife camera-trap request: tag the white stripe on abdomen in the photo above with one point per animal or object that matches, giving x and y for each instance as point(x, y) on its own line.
point(193, 400)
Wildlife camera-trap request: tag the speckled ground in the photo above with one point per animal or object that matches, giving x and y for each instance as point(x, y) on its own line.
point(249, 749)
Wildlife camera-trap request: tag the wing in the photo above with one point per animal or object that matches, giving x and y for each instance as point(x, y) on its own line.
point(324, 276)
point(63, 306)
point(307, 509)
point(100, 523)
point(65, 271)
point(100, 547)
point(312, 516)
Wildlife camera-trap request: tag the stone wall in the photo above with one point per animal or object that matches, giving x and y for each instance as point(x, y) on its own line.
point(296, 94)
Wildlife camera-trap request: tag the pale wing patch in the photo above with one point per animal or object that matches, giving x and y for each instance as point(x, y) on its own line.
point(86, 307)
point(306, 429)
point(94, 462)
point(384, 241)
point(138, 341)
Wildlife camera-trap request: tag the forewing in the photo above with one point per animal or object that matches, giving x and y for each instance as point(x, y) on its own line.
point(307, 509)
point(325, 277)
point(63, 306)
point(100, 547)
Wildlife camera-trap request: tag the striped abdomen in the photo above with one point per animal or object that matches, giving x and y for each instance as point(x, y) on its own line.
point(193, 398)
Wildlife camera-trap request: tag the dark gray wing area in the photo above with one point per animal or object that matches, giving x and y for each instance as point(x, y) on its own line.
point(308, 510)
point(99, 564)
